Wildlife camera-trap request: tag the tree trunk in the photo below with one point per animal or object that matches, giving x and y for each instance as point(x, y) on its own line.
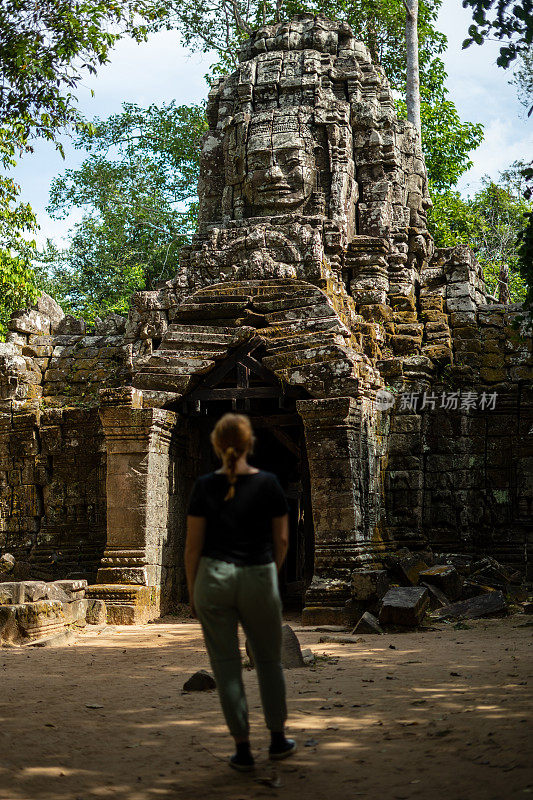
point(503, 284)
point(413, 75)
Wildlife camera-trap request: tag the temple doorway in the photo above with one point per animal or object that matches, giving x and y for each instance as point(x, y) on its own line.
point(242, 384)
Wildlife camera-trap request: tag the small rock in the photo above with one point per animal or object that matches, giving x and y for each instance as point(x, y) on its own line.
point(7, 562)
point(54, 640)
point(404, 606)
point(330, 629)
point(368, 624)
point(201, 681)
point(347, 639)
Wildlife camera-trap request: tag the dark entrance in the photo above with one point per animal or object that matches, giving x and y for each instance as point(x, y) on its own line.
point(241, 383)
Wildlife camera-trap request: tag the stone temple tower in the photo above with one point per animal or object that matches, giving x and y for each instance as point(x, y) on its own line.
point(389, 392)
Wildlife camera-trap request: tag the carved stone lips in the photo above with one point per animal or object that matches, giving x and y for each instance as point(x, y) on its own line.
point(267, 188)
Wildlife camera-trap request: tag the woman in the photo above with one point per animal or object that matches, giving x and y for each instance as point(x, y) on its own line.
point(237, 540)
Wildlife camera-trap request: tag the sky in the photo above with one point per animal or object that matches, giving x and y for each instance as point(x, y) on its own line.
point(161, 70)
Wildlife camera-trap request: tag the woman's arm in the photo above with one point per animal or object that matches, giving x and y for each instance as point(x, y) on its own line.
point(280, 536)
point(193, 550)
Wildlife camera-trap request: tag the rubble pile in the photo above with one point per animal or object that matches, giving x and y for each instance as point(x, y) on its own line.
point(33, 612)
point(419, 587)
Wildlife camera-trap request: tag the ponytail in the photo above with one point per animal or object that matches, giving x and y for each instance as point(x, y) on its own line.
point(231, 437)
point(230, 460)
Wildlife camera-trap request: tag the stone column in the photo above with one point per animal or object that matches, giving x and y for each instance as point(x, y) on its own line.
point(345, 446)
point(137, 442)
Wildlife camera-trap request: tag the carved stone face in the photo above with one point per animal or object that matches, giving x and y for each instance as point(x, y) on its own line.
point(281, 171)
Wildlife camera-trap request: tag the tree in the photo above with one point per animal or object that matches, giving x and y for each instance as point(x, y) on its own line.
point(523, 80)
point(507, 20)
point(491, 222)
point(17, 222)
point(137, 189)
point(412, 80)
point(46, 49)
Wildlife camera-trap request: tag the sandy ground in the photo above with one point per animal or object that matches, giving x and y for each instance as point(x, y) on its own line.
point(441, 714)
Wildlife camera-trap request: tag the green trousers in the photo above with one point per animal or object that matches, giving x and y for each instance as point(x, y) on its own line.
point(225, 594)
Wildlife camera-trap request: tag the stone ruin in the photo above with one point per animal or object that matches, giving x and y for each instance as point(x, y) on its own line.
point(390, 392)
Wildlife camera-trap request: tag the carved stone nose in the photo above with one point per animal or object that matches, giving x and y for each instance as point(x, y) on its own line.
point(274, 172)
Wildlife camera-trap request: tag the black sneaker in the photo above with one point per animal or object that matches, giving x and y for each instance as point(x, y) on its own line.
point(286, 750)
point(242, 763)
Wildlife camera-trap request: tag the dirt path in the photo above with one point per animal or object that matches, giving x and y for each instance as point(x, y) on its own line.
point(437, 715)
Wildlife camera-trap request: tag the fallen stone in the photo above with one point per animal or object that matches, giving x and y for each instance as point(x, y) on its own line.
point(7, 562)
point(368, 624)
point(308, 656)
point(10, 633)
point(369, 584)
point(75, 611)
point(291, 652)
point(201, 681)
point(406, 566)
point(11, 593)
point(75, 589)
point(96, 613)
point(404, 606)
point(42, 618)
point(484, 605)
point(54, 592)
point(329, 629)
point(437, 599)
point(34, 590)
point(347, 639)
point(446, 578)
point(54, 640)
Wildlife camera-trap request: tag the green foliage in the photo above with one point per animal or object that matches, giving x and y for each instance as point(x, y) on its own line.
point(220, 26)
point(491, 222)
point(446, 141)
point(525, 247)
point(47, 48)
point(17, 222)
point(137, 191)
point(505, 20)
point(523, 79)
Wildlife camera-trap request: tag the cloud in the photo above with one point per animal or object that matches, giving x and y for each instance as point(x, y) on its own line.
point(498, 150)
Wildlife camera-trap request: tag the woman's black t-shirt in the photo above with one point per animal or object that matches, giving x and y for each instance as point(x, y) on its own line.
point(238, 530)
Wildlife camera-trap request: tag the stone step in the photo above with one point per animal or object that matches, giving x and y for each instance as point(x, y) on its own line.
point(303, 342)
point(211, 331)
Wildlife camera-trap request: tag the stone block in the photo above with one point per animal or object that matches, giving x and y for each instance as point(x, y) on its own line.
point(445, 577)
point(369, 585)
point(11, 593)
point(75, 611)
point(75, 589)
point(482, 605)
point(368, 624)
point(40, 618)
point(406, 566)
point(404, 606)
point(291, 652)
point(96, 612)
